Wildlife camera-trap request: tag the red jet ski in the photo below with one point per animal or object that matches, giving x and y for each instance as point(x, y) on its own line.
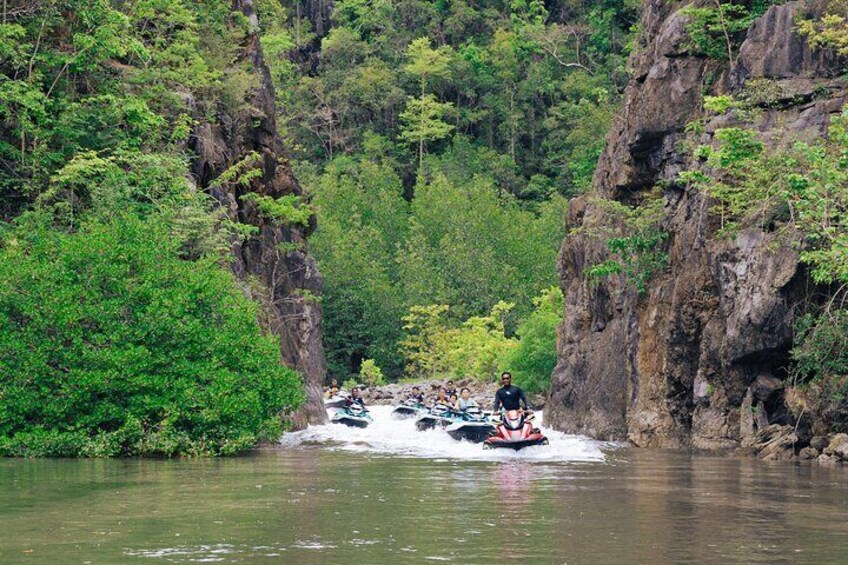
point(515, 432)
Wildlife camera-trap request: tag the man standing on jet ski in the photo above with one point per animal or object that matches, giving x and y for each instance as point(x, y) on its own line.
point(509, 397)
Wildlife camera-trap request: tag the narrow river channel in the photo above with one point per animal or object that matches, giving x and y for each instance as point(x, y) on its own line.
point(389, 494)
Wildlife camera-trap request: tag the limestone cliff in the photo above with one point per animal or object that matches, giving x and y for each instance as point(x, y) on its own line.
point(684, 363)
point(274, 264)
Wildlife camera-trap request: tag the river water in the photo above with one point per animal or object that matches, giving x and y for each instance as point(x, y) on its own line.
point(389, 494)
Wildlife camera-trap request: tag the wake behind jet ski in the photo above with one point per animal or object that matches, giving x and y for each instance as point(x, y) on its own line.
point(515, 431)
point(473, 426)
point(355, 416)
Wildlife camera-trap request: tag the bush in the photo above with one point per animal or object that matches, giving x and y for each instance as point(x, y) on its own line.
point(350, 384)
point(434, 349)
point(111, 345)
point(370, 374)
point(533, 361)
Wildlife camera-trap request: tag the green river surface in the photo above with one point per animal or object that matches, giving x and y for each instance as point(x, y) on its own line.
point(337, 495)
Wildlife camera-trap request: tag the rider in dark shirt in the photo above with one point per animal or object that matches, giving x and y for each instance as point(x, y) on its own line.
point(416, 395)
point(355, 398)
point(450, 390)
point(509, 397)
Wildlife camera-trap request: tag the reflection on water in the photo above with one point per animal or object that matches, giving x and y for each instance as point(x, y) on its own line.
point(319, 505)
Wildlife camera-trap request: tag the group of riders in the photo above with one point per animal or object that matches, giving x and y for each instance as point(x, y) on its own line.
point(508, 396)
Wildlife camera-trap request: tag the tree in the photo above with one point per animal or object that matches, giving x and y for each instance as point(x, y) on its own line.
point(370, 374)
point(121, 347)
point(422, 122)
point(427, 63)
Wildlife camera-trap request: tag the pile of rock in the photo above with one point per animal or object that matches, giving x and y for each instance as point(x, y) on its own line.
point(482, 393)
point(781, 443)
point(831, 449)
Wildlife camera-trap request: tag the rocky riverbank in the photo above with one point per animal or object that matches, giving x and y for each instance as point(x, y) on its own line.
point(482, 393)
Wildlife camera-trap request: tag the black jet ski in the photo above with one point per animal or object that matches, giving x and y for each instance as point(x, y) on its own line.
point(409, 408)
point(354, 415)
point(439, 416)
point(474, 426)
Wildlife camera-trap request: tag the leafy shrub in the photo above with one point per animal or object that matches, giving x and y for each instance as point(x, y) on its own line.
point(433, 348)
point(350, 384)
point(831, 30)
point(110, 344)
point(637, 247)
point(821, 344)
point(370, 374)
point(533, 360)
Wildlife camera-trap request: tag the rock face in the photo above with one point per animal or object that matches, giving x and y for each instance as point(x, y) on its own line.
point(699, 358)
point(482, 393)
point(273, 264)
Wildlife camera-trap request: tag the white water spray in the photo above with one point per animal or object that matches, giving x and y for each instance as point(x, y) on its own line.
point(400, 438)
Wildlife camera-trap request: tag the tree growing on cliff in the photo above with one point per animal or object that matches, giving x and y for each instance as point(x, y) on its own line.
point(714, 29)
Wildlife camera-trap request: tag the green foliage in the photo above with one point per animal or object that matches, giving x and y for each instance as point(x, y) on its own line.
point(426, 63)
point(821, 344)
point(370, 374)
point(802, 187)
point(719, 104)
point(116, 310)
point(114, 82)
point(532, 361)
point(363, 221)
point(424, 326)
point(435, 349)
point(830, 31)
point(287, 209)
point(638, 248)
point(350, 384)
point(534, 83)
point(111, 344)
point(457, 243)
point(715, 29)
point(422, 122)
point(442, 139)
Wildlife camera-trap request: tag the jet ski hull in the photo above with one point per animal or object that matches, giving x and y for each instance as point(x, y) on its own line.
point(334, 402)
point(352, 421)
point(468, 431)
point(405, 412)
point(515, 444)
point(429, 422)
